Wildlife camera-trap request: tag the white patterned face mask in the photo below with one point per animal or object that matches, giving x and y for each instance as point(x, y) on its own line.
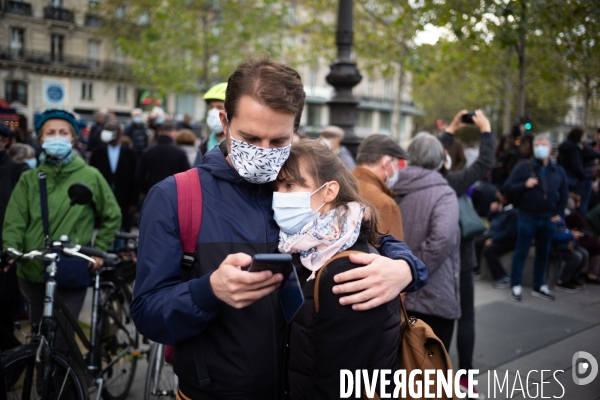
point(256, 164)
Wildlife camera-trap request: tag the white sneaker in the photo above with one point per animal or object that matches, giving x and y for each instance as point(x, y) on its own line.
point(516, 293)
point(543, 293)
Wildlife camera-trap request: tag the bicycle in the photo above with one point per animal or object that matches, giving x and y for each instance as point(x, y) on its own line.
point(161, 381)
point(38, 370)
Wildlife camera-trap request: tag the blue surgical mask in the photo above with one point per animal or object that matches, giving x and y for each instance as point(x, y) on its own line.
point(541, 152)
point(292, 211)
point(57, 146)
point(31, 162)
point(160, 121)
point(137, 120)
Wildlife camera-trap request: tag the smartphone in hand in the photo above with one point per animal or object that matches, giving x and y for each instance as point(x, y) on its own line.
point(276, 263)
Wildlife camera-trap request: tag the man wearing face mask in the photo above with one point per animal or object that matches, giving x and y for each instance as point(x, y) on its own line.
point(117, 163)
point(226, 323)
point(543, 192)
point(215, 102)
point(377, 171)
point(137, 131)
point(332, 136)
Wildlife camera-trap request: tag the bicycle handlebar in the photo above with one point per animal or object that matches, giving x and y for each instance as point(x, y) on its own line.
point(68, 249)
point(126, 235)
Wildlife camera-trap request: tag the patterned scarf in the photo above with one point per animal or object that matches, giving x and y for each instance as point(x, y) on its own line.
point(324, 237)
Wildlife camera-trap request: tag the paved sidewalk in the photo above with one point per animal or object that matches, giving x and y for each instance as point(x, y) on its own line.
point(581, 333)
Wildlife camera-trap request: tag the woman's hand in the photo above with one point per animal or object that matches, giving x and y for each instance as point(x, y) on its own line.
point(379, 281)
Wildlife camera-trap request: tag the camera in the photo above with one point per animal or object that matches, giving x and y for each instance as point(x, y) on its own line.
point(467, 118)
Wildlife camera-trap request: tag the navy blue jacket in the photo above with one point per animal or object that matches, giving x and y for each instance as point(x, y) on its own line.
point(241, 351)
point(503, 226)
point(545, 200)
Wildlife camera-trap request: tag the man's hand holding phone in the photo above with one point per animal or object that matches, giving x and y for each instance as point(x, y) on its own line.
point(240, 288)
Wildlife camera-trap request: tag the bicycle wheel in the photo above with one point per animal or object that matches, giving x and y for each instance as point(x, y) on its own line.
point(161, 381)
point(117, 346)
point(24, 375)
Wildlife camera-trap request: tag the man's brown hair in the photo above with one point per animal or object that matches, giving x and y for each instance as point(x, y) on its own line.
point(270, 83)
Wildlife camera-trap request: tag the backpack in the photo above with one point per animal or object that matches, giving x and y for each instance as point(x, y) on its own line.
point(418, 346)
point(189, 214)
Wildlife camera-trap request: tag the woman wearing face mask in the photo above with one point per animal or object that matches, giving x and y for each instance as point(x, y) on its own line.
point(320, 214)
point(57, 131)
point(23, 153)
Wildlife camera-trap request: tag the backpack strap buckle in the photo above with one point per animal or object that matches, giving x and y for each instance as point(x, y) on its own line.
point(187, 261)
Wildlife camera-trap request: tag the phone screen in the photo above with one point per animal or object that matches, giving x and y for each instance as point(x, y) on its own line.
point(290, 296)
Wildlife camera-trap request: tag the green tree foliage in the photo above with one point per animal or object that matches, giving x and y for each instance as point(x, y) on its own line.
point(187, 46)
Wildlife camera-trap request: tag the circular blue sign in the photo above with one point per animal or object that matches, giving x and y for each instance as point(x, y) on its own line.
point(55, 93)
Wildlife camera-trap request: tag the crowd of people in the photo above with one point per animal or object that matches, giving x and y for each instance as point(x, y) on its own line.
point(264, 188)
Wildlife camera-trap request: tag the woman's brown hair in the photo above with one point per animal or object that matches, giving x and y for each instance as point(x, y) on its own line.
point(325, 166)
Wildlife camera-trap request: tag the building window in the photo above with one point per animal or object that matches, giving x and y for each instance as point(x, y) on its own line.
point(387, 89)
point(93, 4)
point(57, 3)
point(94, 52)
point(364, 119)
point(16, 91)
point(385, 121)
point(185, 103)
point(312, 77)
point(313, 116)
point(119, 56)
point(17, 42)
point(121, 94)
point(87, 90)
point(57, 47)
point(120, 12)
point(370, 85)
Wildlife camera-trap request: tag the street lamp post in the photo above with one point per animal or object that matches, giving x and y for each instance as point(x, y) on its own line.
point(343, 77)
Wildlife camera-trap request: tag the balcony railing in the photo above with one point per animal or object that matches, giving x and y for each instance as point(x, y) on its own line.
point(16, 7)
point(59, 14)
point(46, 58)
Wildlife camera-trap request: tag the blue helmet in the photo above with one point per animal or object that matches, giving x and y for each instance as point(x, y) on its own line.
point(56, 113)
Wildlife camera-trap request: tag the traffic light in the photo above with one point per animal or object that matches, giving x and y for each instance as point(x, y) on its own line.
point(528, 126)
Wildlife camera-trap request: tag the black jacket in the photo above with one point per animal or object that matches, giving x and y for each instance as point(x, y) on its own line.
point(10, 172)
point(94, 141)
point(460, 181)
point(570, 157)
point(545, 200)
point(159, 162)
point(335, 338)
point(139, 137)
point(122, 181)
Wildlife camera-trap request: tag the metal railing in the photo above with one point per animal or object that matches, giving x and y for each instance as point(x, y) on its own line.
point(59, 14)
point(61, 60)
point(16, 7)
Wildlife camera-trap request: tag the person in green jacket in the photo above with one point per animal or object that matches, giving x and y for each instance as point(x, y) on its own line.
point(57, 131)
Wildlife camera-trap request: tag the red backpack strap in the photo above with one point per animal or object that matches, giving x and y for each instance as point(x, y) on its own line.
point(189, 213)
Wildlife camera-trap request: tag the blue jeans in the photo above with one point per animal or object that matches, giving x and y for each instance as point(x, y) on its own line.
point(528, 229)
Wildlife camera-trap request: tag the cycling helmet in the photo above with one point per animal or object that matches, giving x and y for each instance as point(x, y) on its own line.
point(216, 92)
point(56, 113)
